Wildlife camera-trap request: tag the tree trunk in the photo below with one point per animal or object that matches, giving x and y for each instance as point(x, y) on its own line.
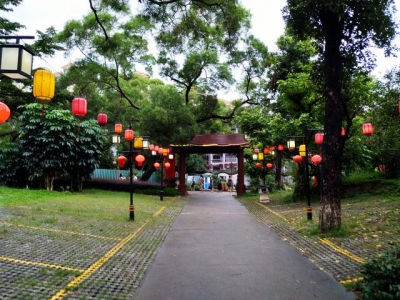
point(330, 213)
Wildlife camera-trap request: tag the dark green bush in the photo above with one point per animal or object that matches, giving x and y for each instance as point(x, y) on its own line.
point(139, 187)
point(382, 276)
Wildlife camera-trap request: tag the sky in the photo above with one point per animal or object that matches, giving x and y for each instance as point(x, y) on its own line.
point(267, 24)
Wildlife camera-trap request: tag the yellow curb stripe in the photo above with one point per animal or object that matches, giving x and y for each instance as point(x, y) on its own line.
point(341, 250)
point(62, 231)
point(347, 281)
point(95, 266)
point(273, 212)
point(34, 263)
point(159, 211)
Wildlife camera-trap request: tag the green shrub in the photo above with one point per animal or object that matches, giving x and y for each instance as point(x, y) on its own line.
point(382, 276)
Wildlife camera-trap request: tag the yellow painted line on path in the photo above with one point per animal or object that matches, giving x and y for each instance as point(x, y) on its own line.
point(347, 281)
point(272, 211)
point(34, 263)
point(341, 250)
point(62, 231)
point(95, 266)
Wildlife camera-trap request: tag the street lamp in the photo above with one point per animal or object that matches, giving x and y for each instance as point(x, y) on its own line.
point(16, 60)
point(162, 153)
point(303, 153)
point(138, 143)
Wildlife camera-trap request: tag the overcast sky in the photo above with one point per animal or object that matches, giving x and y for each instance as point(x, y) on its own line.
point(40, 14)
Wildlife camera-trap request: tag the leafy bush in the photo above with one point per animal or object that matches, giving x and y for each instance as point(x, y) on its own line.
point(139, 187)
point(382, 276)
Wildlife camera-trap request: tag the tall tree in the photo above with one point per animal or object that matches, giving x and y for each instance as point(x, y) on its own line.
point(343, 30)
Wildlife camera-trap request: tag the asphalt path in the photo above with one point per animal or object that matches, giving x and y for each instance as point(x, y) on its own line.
point(217, 250)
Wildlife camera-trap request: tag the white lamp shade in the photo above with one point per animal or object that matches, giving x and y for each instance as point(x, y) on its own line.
point(16, 61)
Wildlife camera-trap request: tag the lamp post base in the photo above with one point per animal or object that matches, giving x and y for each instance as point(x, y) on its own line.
point(131, 212)
point(264, 196)
point(309, 213)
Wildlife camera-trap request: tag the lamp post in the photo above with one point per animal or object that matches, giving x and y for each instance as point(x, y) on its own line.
point(16, 60)
point(162, 153)
point(303, 153)
point(137, 143)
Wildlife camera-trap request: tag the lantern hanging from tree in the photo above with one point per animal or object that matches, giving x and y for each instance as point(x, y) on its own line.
point(118, 128)
point(343, 132)
point(316, 160)
point(167, 165)
point(269, 165)
point(367, 129)
point(297, 158)
point(281, 147)
point(121, 161)
point(140, 159)
point(156, 165)
point(258, 165)
point(129, 134)
point(266, 150)
point(44, 85)
point(4, 112)
point(101, 119)
point(319, 138)
point(79, 107)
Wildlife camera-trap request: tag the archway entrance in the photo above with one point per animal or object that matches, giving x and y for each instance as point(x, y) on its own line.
point(212, 143)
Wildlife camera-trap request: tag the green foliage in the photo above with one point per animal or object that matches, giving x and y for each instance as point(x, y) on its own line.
point(12, 171)
point(382, 276)
point(55, 145)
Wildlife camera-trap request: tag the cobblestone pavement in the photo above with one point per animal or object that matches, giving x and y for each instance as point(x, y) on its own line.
point(71, 261)
point(49, 263)
point(340, 257)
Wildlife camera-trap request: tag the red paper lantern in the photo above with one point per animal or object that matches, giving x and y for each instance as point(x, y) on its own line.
point(256, 151)
point(315, 181)
point(160, 150)
point(129, 134)
point(118, 128)
point(140, 159)
point(272, 148)
point(281, 147)
point(167, 165)
point(4, 112)
point(297, 158)
point(258, 165)
point(266, 150)
point(101, 119)
point(343, 132)
point(156, 165)
point(367, 129)
point(79, 107)
point(319, 138)
point(269, 165)
point(316, 160)
point(121, 161)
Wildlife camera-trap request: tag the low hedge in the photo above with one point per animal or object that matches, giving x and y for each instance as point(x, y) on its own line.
point(139, 187)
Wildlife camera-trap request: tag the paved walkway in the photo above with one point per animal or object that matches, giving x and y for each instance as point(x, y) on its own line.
point(217, 250)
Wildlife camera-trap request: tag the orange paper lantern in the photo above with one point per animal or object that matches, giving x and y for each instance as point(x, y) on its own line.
point(297, 158)
point(140, 159)
point(4, 112)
